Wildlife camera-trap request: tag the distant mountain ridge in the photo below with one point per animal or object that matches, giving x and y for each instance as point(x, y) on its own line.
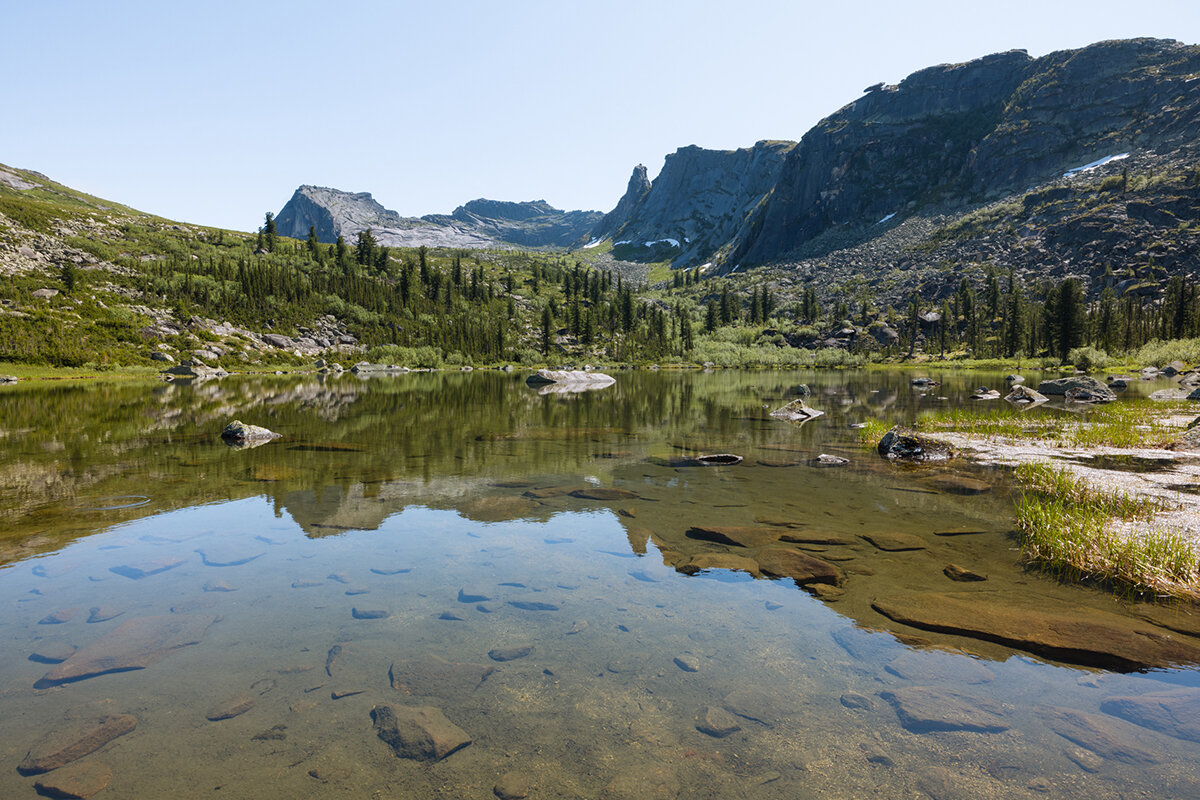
point(943, 139)
point(477, 224)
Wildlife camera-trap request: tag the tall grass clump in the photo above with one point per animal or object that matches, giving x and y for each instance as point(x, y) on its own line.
point(1066, 524)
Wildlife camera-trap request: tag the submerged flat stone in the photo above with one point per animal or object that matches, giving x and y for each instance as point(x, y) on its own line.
point(800, 567)
point(602, 493)
point(736, 536)
point(895, 542)
point(1075, 635)
point(233, 707)
point(422, 733)
point(1104, 736)
point(1175, 713)
point(76, 739)
point(136, 644)
point(703, 561)
point(717, 722)
point(52, 652)
point(75, 781)
point(432, 675)
point(228, 555)
point(923, 709)
point(144, 569)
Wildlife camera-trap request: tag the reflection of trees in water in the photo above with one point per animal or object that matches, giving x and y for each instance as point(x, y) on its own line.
point(431, 430)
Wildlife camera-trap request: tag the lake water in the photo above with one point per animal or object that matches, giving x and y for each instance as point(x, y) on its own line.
point(551, 578)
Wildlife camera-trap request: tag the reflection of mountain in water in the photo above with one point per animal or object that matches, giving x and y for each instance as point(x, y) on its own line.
point(355, 453)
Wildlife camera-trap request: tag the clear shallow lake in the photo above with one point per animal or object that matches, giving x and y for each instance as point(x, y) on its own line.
point(551, 579)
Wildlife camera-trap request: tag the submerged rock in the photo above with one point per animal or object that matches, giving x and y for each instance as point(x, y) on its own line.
point(904, 444)
point(238, 431)
point(137, 644)
point(984, 393)
point(422, 733)
point(1080, 386)
point(923, 709)
point(800, 567)
point(717, 722)
point(797, 411)
point(733, 535)
point(75, 740)
point(712, 460)
point(1107, 738)
point(80, 780)
point(431, 675)
point(826, 460)
point(1175, 713)
point(512, 785)
point(1073, 635)
point(233, 707)
point(1013, 379)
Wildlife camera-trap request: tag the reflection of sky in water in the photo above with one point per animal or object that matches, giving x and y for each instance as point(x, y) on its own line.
point(436, 537)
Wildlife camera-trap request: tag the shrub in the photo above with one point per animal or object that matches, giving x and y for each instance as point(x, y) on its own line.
point(1088, 358)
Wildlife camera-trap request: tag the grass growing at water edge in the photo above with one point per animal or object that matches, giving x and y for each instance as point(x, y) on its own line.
point(1067, 525)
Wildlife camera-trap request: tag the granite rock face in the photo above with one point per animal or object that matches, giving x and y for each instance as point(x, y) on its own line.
point(479, 223)
point(701, 200)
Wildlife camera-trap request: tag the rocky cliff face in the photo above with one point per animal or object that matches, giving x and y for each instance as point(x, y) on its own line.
point(695, 206)
point(954, 135)
point(479, 223)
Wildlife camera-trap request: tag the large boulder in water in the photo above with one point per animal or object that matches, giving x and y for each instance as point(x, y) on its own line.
point(1078, 387)
point(1024, 396)
point(550, 381)
point(238, 431)
point(904, 444)
point(797, 411)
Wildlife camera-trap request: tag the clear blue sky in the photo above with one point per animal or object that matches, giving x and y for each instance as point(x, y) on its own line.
point(214, 112)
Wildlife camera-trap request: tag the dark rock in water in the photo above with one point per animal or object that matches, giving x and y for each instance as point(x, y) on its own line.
point(532, 605)
point(233, 707)
point(826, 460)
point(800, 567)
point(1013, 379)
point(76, 739)
point(144, 569)
point(421, 733)
point(1077, 384)
point(1175, 713)
point(924, 382)
point(687, 663)
point(512, 786)
point(75, 781)
point(956, 573)
point(957, 484)
point(228, 555)
point(102, 614)
point(59, 617)
point(797, 411)
point(895, 542)
point(599, 493)
point(717, 722)
point(136, 644)
point(735, 536)
point(923, 709)
point(1073, 635)
point(399, 571)
point(902, 444)
point(430, 675)
point(984, 393)
point(855, 701)
point(510, 653)
point(712, 460)
point(1107, 738)
point(52, 652)
point(463, 597)
point(368, 613)
point(238, 431)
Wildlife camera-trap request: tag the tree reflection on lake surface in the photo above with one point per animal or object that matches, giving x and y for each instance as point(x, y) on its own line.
point(448, 583)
